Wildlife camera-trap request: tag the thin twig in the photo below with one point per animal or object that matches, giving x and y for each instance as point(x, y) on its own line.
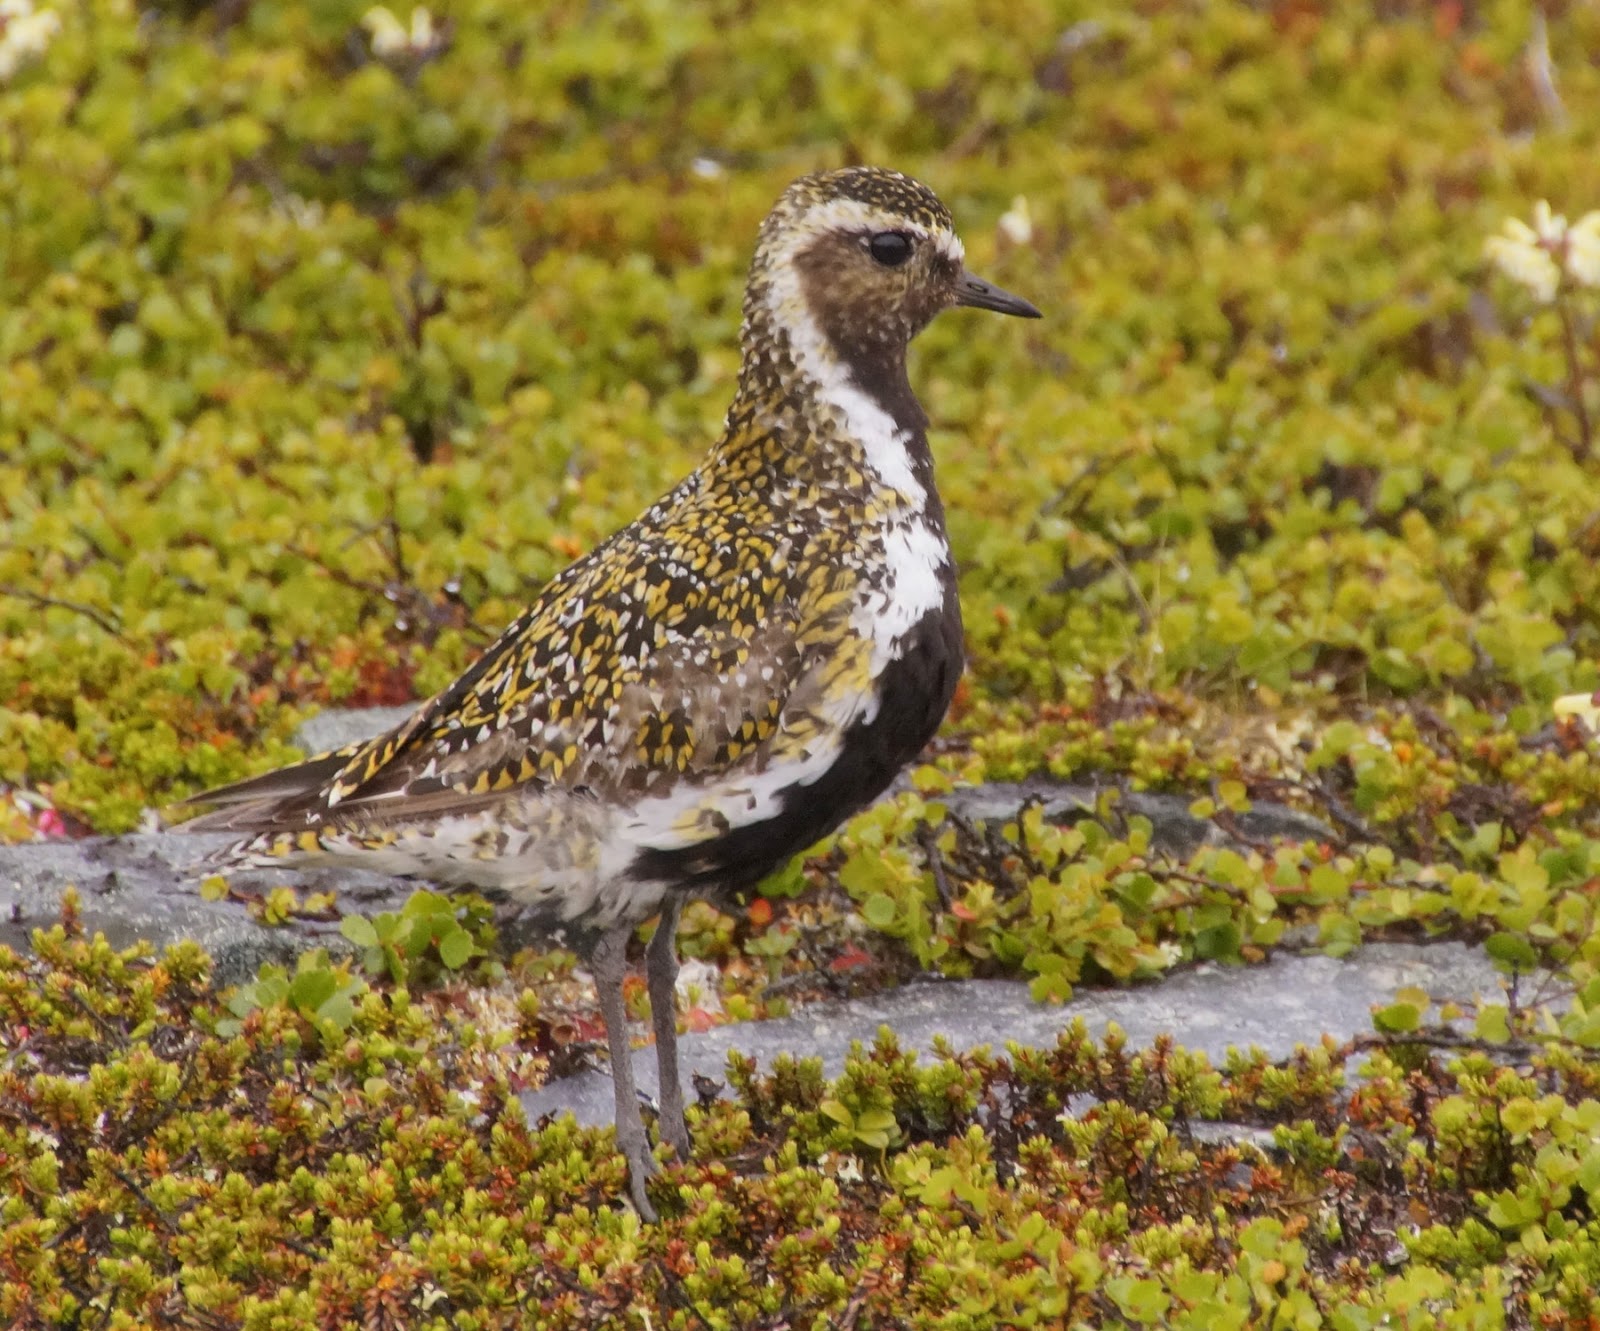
point(928, 839)
point(98, 618)
point(1542, 72)
point(155, 1211)
point(1450, 1040)
point(1580, 410)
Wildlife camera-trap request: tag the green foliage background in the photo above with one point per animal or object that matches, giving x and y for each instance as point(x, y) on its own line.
point(283, 327)
point(314, 366)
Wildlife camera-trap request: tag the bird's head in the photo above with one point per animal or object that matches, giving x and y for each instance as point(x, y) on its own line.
point(853, 264)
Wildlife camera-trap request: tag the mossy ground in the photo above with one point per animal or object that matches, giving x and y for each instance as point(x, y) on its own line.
point(168, 1164)
point(313, 365)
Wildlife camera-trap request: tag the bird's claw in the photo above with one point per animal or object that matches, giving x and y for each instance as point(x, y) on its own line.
point(675, 1132)
point(641, 1166)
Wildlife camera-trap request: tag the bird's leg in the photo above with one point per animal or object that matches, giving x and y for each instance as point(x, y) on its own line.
point(661, 975)
point(609, 963)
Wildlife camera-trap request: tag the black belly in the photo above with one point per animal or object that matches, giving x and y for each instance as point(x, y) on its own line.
point(913, 695)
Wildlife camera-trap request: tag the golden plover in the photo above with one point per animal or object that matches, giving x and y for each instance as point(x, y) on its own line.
point(724, 680)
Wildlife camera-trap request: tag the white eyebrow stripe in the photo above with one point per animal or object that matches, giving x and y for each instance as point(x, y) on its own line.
point(949, 244)
point(853, 215)
point(848, 214)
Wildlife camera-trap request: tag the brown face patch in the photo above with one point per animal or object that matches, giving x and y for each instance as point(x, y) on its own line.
point(867, 310)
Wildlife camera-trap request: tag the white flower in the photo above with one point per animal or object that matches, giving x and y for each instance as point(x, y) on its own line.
point(1584, 706)
point(1521, 254)
point(1583, 250)
point(1016, 223)
point(304, 213)
point(423, 35)
point(385, 32)
point(1537, 257)
point(389, 37)
point(24, 33)
point(1551, 228)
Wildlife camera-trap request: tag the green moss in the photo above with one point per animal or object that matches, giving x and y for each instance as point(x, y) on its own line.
point(384, 1170)
point(314, 365)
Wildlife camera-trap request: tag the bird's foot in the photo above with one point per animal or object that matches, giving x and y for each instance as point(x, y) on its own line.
point(672, 1127)
point(641, 1166)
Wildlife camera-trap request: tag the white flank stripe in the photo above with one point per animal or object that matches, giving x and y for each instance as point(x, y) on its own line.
point(664, 823)
point(917, 557)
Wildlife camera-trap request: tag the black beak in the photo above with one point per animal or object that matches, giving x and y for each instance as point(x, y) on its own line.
point(981, 295)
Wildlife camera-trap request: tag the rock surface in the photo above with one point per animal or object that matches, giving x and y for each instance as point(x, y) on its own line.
point(1287, 1001)
point(339, 726)
point(1173, 829)
point(146, 886)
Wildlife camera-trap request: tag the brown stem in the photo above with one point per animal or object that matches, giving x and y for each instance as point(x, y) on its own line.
point(1580, 409)
point(55, 603)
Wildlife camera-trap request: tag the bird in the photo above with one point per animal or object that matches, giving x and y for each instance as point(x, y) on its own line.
point(723, 681)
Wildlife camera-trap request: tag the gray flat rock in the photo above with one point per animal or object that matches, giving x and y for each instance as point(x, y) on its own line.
point(146, 886)
point(338, 726)
point(1288, 1001)
point(1173, 829)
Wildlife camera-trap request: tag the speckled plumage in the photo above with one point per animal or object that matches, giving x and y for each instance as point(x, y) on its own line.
point(728, 677)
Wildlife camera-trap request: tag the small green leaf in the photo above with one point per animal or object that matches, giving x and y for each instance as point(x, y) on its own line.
point(339, 1011)
point(1234, 796)
point(1512, 951)
point(838, 1112)
point(878, 910)
point(1141, 1301)
point(456, 949)
point(1492, 1024)
point(941, 1183)
point(359, 930)
point(1520, 1116)
point(309, 990)
point(1397, 1018)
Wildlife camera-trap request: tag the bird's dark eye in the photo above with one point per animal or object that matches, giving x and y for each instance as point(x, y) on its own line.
point(890, 248)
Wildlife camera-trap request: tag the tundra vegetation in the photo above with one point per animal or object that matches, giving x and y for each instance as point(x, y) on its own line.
point(327, 336)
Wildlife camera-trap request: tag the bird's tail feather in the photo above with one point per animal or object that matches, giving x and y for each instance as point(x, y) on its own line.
point(260, 802)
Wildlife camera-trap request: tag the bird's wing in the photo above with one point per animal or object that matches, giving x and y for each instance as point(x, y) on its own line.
point(631, 673)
